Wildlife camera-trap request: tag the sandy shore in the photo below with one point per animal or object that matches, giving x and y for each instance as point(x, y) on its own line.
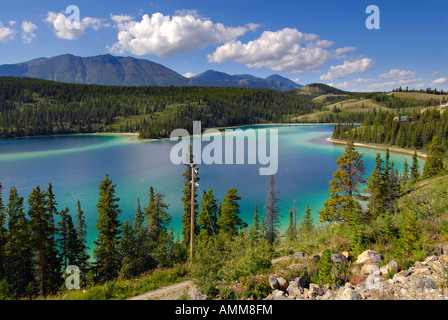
point(381, 147)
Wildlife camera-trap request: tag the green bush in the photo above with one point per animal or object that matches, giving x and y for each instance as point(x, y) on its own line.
point(227, 293)
point(256, 288)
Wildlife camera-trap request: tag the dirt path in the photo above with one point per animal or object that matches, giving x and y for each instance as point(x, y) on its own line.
point(172, 292)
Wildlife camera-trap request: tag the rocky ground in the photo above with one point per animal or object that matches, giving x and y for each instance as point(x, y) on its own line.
point(423, 281)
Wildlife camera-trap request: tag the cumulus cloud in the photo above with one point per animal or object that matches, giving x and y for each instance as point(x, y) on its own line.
point(28, 31)
point(396, 74)
point(348, 68)
point(439, 81)
point(70, 30)
point(6, 34)
point(296, 80)
point(167, 36)
point(355, 83)
point(286, 50)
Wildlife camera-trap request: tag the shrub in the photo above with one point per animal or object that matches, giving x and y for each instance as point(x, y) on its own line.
point(256, 288)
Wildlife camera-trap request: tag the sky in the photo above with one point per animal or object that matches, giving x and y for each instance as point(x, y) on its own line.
point(329, 42)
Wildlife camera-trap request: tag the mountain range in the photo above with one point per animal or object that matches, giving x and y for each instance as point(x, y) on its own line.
point(128, 71)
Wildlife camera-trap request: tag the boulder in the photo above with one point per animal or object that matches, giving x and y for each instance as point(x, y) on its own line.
point(278, 295)
point(348, 294)
point(435, 252)
point(295, 288)
point(339, 258)
point(373, 281)
point(347, 255)
point(388, 267)
point(300, 256)
point(282, 283)
point(369, 269)
point(315, 290)
point(401, 276)
point(273, 283)
point(196, 295)
point(369, 257)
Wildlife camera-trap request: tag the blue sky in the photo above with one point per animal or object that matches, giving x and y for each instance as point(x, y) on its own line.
point(309, 41)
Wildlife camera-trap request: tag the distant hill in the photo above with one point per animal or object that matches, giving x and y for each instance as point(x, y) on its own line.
point(129, 71)
point(221, 79)
point(320, 89)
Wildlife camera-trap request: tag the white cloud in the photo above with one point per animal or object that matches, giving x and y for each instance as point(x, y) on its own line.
point(296, 80)
point(355, 83)
point(6, 34)
point(189, 75)
point(439, 81)
point(28, 31)
point(348, 68)
point(167, 36)
point(436, 74)
point(286, 50)
point(70, 30)
point(396, 74)
point(12, 23)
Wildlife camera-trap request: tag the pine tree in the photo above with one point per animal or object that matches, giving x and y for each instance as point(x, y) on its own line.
point(229, 221)
point(434, 163)
point(3, 237)
point(208, 216)
point(156, 214)
point(405, 174)
point(43, 231)
point(108, 226)
point(81, 252)
point(19, 266)
point(344, 188)
point(414, 168)
point(256, 227)
point(306, 226)
point(375, 187)
point(272, 212)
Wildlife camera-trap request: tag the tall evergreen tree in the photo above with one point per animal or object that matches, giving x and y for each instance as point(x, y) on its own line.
point(208, 216)
point(81, 252)
point(434, 163)
point(344, 188)
point(306, 224)
point(3, 237)
point(156, 215)
point(19, 252)
point(108, 226)
point(43, 231)
point(376, 189)
point(229, 221)
point(272, 212)
point(415, 174)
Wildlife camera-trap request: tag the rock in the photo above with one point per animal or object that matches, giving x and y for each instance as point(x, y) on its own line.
point(339, 258)
point(300, 256)
point(282, 283)
point(348, 294)
point(369, 269)
point(401, 276)
point(388, 267)
point(347, 255)
point(435, 252)
point(373, 281)
point(369, 257)
point(295, 288)
point(273, 283)
point(431, 259)
point(315, 257)
point(315, 290)
point(196, 295)
point(422, 271)
point(278, 295)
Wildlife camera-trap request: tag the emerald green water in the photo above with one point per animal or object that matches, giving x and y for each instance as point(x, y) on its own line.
point(76, 164)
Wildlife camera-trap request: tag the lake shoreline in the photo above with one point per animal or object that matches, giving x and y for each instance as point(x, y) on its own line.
point(380, 147)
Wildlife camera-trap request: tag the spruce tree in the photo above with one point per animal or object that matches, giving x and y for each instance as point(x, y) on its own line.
point(81, 252)
point(19, 266)
point(414, 168)
point(272, 212)
point(208, 216)
point(376, 189)
point(229, 221)
point(344, 188)
point(108, 226)
point(434, 163)
point(43, 232)
point(156, 214)
point(256, 223)
point(306, 226)
point(3, 237)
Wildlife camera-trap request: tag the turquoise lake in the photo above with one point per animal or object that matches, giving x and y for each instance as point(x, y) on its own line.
point(76, 164)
